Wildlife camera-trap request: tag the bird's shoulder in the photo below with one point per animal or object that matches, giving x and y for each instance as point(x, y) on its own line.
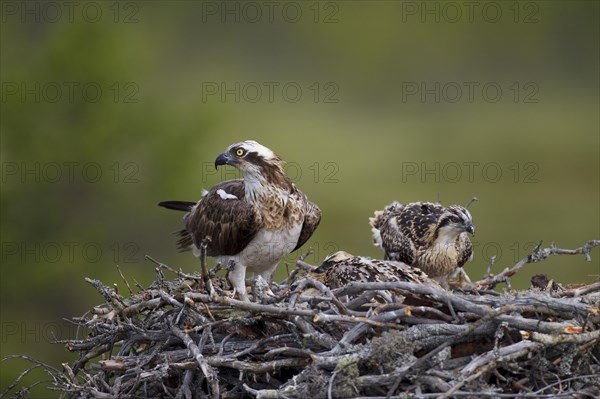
point(225, 201)
point(417, 221)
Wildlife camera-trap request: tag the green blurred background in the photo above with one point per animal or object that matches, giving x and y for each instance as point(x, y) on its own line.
point(108, 108)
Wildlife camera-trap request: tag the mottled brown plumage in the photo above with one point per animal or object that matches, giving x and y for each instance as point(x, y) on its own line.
point(425, 235)
point(342, 268)
point(255, 221)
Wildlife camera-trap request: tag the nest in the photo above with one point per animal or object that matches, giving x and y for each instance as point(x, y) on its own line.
point(186, 337)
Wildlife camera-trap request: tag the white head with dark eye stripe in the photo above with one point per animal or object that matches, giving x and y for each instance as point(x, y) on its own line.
point(455, 220)
point(251, 148)
point(257, 163)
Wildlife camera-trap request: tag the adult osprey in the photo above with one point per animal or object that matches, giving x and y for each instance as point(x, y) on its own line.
point(425, 235)
point(255, 221)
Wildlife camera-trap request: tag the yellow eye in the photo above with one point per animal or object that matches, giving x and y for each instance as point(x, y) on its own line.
point(239, 152)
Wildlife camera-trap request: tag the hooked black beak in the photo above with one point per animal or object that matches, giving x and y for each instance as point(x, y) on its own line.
point(222, 159)
point(470, 229)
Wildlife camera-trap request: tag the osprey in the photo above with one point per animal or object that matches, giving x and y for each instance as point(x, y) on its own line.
point(342, 268)
point(425, 235)
point(250, 223)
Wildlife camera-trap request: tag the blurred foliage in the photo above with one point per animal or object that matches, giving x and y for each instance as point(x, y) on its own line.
point(350, 156)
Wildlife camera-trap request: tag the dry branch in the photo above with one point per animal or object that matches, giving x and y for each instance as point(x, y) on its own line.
point(537, 255)
point(188, 338)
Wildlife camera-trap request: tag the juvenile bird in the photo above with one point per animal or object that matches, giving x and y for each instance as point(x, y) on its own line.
point(341, 268)
point(425, 235)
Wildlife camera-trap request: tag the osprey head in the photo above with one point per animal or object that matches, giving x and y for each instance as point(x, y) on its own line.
point(259, 165)
point(456, 219)
point(248, 157)
point(334, 257)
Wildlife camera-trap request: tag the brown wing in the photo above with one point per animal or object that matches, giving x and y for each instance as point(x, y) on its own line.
point(395, 243)
point(397, 246)
point(312, 218)
point(230, 223)
point(403, 229)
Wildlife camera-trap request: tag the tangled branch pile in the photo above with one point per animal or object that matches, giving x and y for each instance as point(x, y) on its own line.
point(174, 339)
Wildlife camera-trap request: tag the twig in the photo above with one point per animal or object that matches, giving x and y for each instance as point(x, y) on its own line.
point(205, 275)
point(125, 280)
point(208, 372)
point(424, 341)
point(586, 289)
point(538, 255)
point(178, 273)
point(489, 268)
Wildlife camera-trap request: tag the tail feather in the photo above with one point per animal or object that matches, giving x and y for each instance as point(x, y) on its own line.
point(376, 220)
point(184, 206)
point(379, 219)
point(185, 241)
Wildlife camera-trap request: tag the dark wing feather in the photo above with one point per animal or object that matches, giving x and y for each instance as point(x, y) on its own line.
point(312, 218)
point(184, 206)
point(184, 243)
point(230, 224)
point(398, 246)
point(395, 243)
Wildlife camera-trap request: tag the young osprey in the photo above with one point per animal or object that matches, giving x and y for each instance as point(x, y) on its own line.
point(255, 221)
point(342, 268)
point(425, 235)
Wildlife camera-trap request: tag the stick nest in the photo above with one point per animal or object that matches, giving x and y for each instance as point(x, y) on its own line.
point(187, 338)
